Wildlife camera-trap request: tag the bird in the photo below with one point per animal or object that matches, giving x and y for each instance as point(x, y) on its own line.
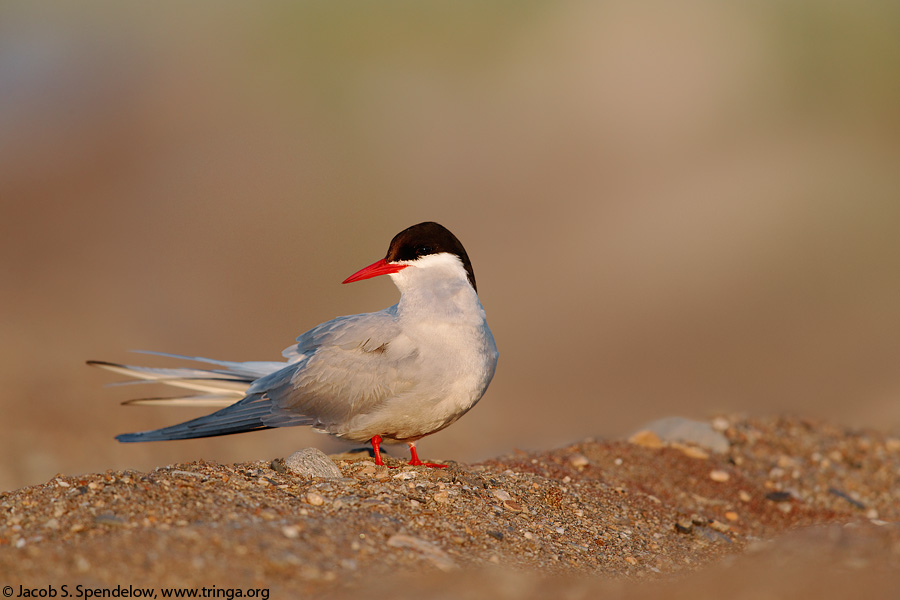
point(396, 375)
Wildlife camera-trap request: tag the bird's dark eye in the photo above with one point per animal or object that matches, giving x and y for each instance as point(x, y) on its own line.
point(423, 250)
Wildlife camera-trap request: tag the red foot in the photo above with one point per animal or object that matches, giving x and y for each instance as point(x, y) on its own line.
point(414, 459)
point(414, 456)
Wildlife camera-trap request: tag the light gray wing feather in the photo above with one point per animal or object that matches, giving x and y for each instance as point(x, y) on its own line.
point(347, 367)
point(340, 369)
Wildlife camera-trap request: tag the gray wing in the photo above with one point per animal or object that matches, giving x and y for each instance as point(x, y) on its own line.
point(248, 414)
point(341, 369)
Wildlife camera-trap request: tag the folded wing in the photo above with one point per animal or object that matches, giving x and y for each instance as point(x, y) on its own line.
point(337, 371)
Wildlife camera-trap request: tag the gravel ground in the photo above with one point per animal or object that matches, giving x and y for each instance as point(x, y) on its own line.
point(791, 506)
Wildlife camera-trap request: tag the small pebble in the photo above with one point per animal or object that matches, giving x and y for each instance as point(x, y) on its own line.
point(501, 495)
point(81, 564)
point(513, 506)
point(315, 499)
point(719, 526)
point(731, 515)
point(291, 532)
point(691, 451)
point(646, 438)
point(719, 476)
point(684, 526)
point(744, 496)
point(579, 461)
point(785, 462)
point(778, 496)
point(442, 497)
point(720, 424)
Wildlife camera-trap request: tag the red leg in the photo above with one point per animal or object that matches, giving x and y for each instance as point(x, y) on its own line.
point(376, 448)
point(414, 458)
point(376, 442)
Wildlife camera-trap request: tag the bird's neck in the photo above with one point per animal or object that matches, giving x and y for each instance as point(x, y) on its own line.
point(444, 300)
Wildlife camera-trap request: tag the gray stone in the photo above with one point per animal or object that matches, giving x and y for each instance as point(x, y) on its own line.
point(688, 431)
point(427, 550)
point(311, 462)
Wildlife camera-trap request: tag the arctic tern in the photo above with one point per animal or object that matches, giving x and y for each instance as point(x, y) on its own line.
point(394, 375)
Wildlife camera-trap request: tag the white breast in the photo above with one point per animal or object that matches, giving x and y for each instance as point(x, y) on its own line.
point(452, 354)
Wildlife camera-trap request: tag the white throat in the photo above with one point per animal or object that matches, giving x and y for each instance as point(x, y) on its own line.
point(437, 285)
point(441, 270)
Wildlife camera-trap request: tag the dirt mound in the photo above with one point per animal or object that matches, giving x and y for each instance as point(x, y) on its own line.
point(635, 516)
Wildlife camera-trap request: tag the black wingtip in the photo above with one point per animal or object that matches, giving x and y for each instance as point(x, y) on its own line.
point(101, 363)
point(138, 401)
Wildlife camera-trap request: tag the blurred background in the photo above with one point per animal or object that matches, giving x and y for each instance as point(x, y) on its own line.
point(671, 209)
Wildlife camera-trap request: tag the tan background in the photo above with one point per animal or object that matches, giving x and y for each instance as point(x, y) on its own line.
point(670, 210)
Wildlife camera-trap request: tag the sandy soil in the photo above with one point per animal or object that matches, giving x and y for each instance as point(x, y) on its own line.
point(792, 506)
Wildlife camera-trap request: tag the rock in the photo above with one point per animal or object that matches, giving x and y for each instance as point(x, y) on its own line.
point(292, 532)
point(684, 526)
point(691, 451)
point(501, 495)
point(779, 496)
point(315, 499)
point(688, 431)
point(719, 526)
point(646, 438)
point(719, 475)
point(579, 461)
point(311, 462)
point(430, 552)
point(720, 424)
